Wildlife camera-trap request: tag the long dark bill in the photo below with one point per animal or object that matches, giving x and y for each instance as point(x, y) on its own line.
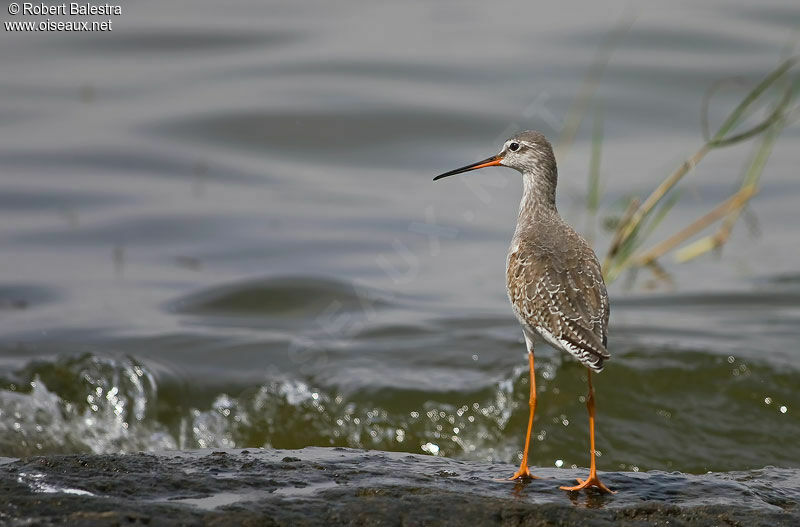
point(488, 162)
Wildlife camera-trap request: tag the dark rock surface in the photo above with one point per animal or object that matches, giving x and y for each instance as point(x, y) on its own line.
point(324, 486)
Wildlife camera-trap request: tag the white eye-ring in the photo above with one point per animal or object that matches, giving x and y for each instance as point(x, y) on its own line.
point(513, 147)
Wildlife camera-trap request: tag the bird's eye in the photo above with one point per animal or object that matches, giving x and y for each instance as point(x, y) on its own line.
point(513, 147)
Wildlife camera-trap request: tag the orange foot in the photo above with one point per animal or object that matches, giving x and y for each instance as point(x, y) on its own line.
point(523, 473)
point(592, 481)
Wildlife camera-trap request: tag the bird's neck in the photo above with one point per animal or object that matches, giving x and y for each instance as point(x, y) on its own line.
point(538, 203)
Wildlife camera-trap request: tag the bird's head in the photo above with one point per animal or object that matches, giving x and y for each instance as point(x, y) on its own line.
point(527, 152)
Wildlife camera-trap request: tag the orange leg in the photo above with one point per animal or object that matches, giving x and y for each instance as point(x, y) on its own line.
point(524, 471)
point(592, 480)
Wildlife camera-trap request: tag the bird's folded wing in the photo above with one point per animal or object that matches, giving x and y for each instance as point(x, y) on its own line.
point(564, 295)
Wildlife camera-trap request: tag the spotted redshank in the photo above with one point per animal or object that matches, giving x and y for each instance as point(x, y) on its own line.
point(553, 278)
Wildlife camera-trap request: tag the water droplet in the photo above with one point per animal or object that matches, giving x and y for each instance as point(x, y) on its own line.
point(475, 357)
point(559, 462)
point(731, 358)
point(783, 409)
point(431, 448)
point(767, 400)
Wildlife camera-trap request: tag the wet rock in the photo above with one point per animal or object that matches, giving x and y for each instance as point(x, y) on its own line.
point(324, 486)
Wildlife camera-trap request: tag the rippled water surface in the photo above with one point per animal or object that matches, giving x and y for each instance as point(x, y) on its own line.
point(218, 229)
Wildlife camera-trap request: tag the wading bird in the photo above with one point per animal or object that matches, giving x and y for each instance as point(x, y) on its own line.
point(554, 280)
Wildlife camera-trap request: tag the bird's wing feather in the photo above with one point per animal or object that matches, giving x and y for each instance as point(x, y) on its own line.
point(560, 293)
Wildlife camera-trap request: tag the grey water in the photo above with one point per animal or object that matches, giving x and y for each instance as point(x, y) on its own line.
point(218, 229)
